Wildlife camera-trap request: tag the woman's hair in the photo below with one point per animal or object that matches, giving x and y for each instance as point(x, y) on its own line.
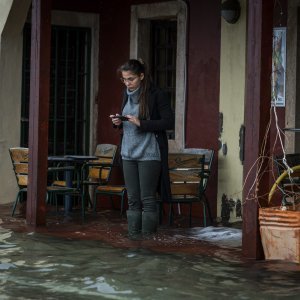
point(137, 67)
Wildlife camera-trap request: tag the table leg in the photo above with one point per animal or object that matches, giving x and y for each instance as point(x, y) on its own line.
point(68, 198)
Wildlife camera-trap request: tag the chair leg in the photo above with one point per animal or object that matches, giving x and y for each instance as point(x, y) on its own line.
point(82, 195)
point(208, 209)
point(90, 204)
point(53, 197)
point(122, 204)
point(95, 202)
point(170, 214)
point(83, 209)
point(111, 201)
point(15, 204)
point(86, 191)
point(49, 198)
point(56, 203)
point(204, 214)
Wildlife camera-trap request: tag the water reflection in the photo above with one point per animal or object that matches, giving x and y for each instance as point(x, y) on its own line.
point(34, 266)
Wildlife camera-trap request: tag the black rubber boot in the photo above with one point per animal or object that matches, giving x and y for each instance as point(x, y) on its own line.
point(149, 223)
point(134, 219)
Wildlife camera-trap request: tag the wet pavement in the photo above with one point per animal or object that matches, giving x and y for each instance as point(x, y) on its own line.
point(109, 227)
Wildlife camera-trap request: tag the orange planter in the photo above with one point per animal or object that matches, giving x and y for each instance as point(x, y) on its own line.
point(280, 233)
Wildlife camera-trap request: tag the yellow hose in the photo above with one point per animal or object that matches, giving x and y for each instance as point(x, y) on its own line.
point(278, 180)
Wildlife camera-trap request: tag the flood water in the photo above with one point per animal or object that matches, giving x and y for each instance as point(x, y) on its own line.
point(36, 266)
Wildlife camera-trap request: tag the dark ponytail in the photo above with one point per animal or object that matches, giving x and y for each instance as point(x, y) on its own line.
point(137, 66)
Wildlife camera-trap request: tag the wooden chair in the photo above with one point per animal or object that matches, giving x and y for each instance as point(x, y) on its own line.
point(59, 180)
point(189, 174)
point(19, 157)
point(60, 170)
point(97, 173)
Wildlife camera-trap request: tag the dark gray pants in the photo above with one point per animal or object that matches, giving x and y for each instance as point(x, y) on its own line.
point(141, 180)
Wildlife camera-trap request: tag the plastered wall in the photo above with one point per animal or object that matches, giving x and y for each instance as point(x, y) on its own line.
point(5, 6)
point(232, 89)
point(12, 18)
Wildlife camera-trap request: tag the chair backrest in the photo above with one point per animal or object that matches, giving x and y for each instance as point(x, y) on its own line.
point(209, 157)
point(106, 151)
point(106, 154)
point(19, 158)
point(187, 173)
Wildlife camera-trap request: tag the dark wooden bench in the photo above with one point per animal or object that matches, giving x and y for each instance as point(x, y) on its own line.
point(189, 174)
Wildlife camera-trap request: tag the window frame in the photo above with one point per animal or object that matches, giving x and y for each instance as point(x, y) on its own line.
point(166, 10)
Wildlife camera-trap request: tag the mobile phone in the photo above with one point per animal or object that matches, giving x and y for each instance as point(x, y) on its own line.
point(122, 118)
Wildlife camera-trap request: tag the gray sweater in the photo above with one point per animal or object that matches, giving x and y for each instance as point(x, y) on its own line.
point(136, 144)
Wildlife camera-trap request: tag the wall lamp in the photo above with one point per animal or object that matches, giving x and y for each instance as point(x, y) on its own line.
point(231, 10)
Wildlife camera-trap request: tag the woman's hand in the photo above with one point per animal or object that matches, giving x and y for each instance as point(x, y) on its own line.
point(134, 120)
point(115, 121)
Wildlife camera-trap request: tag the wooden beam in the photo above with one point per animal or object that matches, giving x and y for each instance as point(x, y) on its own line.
point(39, 111)
point(257, 107)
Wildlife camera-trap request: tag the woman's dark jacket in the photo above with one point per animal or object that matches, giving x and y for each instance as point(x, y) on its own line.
point(161, 119)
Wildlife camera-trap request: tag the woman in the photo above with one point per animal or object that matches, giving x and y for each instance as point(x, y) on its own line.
point(146, 115)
